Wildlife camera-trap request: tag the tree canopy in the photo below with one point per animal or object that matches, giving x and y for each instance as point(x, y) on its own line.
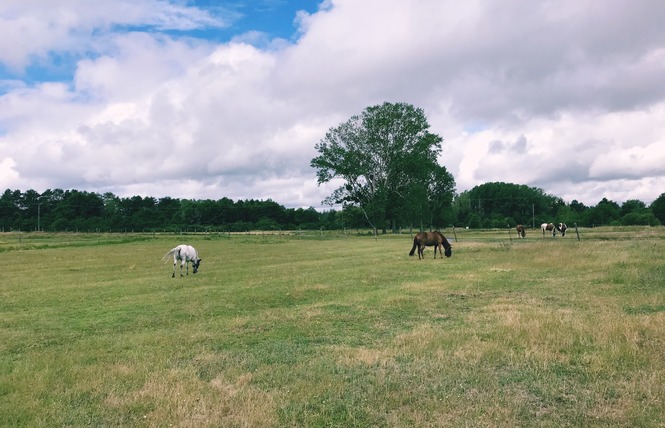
point(658, 208)
point(387, 160)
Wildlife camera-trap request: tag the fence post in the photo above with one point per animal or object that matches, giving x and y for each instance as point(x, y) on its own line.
point(577, 232)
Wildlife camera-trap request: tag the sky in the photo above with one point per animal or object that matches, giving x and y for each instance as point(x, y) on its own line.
point(211, 99)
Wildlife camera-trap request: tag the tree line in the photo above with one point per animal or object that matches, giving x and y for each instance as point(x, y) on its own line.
point(490, 205)
point(74, 210)
point(497, 204)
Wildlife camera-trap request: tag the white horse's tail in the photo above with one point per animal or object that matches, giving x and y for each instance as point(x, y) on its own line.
point(169, 254)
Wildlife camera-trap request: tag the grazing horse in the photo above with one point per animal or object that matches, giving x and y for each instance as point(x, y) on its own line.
point(429, 239)
point(548, 227)
point(561, 227)
point(186, 254)
point(521, 231)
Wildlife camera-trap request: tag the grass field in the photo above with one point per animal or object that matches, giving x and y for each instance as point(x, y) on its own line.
point(343, 331)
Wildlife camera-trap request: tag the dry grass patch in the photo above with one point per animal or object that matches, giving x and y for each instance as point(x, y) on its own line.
point(352, 356)
point(178, 398)
point(423, 286)
point(422, 338)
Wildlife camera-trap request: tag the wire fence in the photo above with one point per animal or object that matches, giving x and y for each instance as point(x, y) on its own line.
point(16, 240)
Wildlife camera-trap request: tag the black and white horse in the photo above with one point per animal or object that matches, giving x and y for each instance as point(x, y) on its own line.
point(186, 254)
point(561, 227)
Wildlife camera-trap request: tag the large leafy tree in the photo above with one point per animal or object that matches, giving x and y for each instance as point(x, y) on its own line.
point(387, 160)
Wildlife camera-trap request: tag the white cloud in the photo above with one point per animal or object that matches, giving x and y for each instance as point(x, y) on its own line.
point(77, 26)
point(565, 96)
point(634, 162)
point(9, 177)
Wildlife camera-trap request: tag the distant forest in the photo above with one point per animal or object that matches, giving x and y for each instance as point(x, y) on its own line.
point(490, 205)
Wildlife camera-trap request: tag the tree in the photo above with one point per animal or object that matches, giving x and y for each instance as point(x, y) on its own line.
point(381, 156)
point(493, 202)
point(440, 196)
point(10, 214)
point(632, 206)
point(634, 212)
point(605, 213)
point(658, 208)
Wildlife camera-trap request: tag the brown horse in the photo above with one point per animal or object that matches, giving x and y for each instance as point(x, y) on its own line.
point(521, 231)
point(429, 239)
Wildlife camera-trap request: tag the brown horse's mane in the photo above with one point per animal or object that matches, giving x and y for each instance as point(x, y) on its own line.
point(444, 241)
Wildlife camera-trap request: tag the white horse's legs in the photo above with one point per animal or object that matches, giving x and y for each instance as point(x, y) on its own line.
point(175, 262)
point(182, 262)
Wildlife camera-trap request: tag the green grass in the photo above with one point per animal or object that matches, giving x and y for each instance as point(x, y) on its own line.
point(310, 331)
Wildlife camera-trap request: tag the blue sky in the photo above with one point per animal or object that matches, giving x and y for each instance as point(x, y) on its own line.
point(228, 99)
point(272, 18)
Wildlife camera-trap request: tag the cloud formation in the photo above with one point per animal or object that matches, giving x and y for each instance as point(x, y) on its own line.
point(562, 96)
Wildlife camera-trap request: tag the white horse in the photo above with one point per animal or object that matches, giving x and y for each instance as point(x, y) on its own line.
point(186, 254)
point(561, 227)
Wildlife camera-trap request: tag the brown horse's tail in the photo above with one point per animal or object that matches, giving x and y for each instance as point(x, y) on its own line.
point(415, 244)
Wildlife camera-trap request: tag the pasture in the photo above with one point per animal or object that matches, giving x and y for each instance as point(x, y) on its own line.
point(334, 331)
